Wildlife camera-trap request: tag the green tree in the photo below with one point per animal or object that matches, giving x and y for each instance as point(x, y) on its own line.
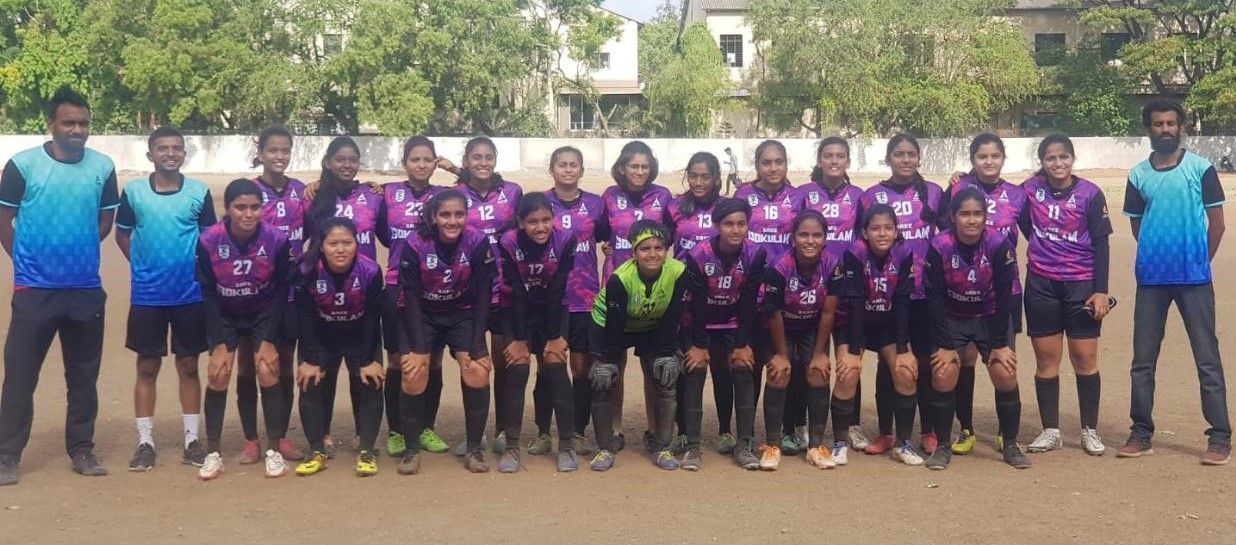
point(1092, 96)
point(687, 80)
point(578, 28)
point(877, 66)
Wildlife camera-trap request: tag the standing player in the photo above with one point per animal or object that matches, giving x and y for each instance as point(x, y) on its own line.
point(283, 207)
point(801, 297)
point(583, 214)
point(243, 265)
point(634, 196)
point(1006, 209)
point(160, 219)
point(492, 201)
point(832, 195)
point(57, 289)
point(1066, 287)
point(969, 278)
point(725, 272)
point(917, 203)
point(337, 194)
point(690, 215)
point(401, 212)
point(538, 257)
point(879, 279)
point(446, 273)
point(774, 202)
point(339, 299)
point(641, 306)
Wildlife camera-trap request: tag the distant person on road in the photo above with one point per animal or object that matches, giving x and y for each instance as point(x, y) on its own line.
point(57, 202)
point(1175, 205)
point(732, 180)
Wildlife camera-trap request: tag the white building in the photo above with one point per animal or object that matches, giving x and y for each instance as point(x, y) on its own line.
point(614, 74)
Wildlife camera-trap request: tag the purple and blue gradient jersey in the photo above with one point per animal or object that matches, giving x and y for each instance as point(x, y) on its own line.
point(401, 214)
point(772, 217)
point(623, 210)
point(690, 229)
point(916, 228)
point(1062, 224)
point(285, 210)
point(446, 281)
point(840, 209)
point(880, 279)
point(969, 285)
point(536, 274)
point(338, 301)
point(581, 218)
point(1005, 203)
point(245, 275)
point(724, 285)
point(801, 298)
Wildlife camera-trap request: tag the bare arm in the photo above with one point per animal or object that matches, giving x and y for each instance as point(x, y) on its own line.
point(1215, 229)
point(124, 239)
point(106, 218)
point(1135, 224)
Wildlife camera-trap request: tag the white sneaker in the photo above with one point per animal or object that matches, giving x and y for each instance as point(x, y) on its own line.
point(858, 439)
point(906, 455)
point(1091, 442)
point(841, 453)
point(211, 468)
point(275, 466)
point(1046, 441)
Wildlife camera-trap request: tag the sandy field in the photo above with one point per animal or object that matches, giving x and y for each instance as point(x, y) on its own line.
point(1067, 497)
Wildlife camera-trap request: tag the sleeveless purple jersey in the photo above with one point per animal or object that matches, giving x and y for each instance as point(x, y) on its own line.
point(447, 283)
point(724, 286)
point(580, 218)
point(840, 211)
point(804, 296)
point(915, 230)
point(969, 285)
point(1005, 202)
point(772, 217)
point(536, 274)
point(881, 278)
point(1060, 246)
point(244, 280)
point(340, 302)
point(690, 229)
point(623, 211)
point(403, 213)
point(286, 211)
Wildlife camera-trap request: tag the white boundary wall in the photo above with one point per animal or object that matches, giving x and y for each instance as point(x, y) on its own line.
point(233, 154)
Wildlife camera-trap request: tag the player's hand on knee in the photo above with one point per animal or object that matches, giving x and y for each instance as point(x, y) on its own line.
point(308, 374)
point(778, 370)
point(556, 350)
point(696, 358)
point(907, 363)
point(372, 375)
point(516, 353)
point(742, 356)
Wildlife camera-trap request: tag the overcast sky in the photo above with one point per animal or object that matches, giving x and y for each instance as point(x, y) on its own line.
point(640, 10)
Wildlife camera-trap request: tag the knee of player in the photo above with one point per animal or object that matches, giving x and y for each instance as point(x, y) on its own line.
point(779, 382)
point(415, 386)
point(148, 367)
point(475, 376)
point(905, 375)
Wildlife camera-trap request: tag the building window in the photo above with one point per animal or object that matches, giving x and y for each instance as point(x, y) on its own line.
point(1112, 42)
point(1049, 49)
point(332, 44)
point(731, 49)
point(603, 61)
point(583, 116)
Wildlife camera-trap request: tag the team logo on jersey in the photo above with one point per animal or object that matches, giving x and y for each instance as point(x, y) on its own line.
point(225, 251)
point(261, 251)
point(892, 269)
point(622, 203)
point(709, 269)
point(656, 203)
point(882, 197)
point(1004, 196)
point(553, 256)
point(519, 254)
point(786, 201)
point(502, 198)
point(431, 261)
point(583, 208)
point(355, 283)
point(846, 199)
point(814, 197)
point(463, 259)
point(1072, 201)
point(738, 268)
point(956, 262)
point(1039, 194)
point(321, 286)
point(399, 194)
point(793, 283)
point(360, 199)
point(983, 261)
point(753, 200)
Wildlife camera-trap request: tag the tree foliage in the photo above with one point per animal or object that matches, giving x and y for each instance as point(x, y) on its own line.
point(687, 80)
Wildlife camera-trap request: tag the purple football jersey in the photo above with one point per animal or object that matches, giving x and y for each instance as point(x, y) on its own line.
point(1005, 202)
point(916, 230)
point(244, 277)
point(690, 229)
point(1060, 246)
point(447, 282)
point(403, 213)
point(725, 285)
point(970, 290)
point(623, 210)
point(804, 296)
point(493, 214)
point(772, 217)
point(339, 302)
point(361, 205)
point(581, 218)
point(840, 211)
point(286, 211)
point(881, 278)
point(536, 274)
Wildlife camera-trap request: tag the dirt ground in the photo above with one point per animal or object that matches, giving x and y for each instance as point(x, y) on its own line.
point(1067, 497)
